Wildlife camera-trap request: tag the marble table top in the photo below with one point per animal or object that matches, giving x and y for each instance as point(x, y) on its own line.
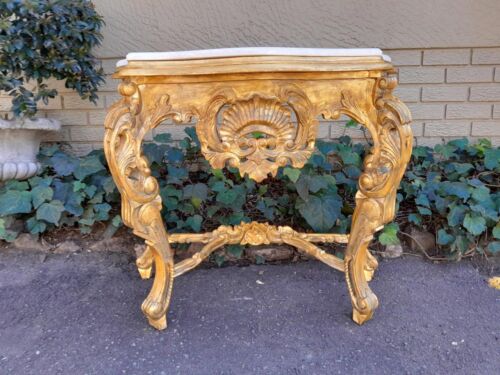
point(252, 51)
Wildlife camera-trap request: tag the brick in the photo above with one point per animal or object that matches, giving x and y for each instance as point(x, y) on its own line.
point(430, 141)
point(177, 131)
point(417, 127)
point(446, 57)
point(54, 103)
point(323, 130)
point(97, 117)
point(5, 103)
point(469, 74)
point(485, 93)
point(447, 128)
point(87, 133)
point(486, 128)
point(59, 85)
point(405, 57)
point(468, 110)
point(445, 93)
point(338, 129)
point(75, 102)
point(486, 56)
point(420, 111)
point(421, 75)
point(59, 136)
point(110, 99)
point(496, 111)
point(69, 117)
point(495, 141)
point(110, 85)
point(408, 94)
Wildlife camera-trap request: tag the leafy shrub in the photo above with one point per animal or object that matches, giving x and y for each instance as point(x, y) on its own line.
point(48, 39)
point(69, 191)
point(451, 190)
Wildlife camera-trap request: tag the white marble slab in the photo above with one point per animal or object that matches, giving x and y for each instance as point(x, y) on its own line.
point(252, 51)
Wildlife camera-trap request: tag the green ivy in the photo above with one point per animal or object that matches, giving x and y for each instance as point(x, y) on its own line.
point(42, 39)
point(455, 190)
point(451, 190)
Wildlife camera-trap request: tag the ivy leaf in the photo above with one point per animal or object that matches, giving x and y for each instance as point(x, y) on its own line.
point(443, 238)
point(6, 234)
point(198, 190)
point(117, 221)
point(195, 222)
point(50, 212)
point(481, 193)
point(88, 166)
point(492, 158)
point(64, 164)
point(227, 197)
point(415, 219)
point(41, 194)
point(474, 224)
point(456, 215)
point(35, 226)
point(422, 200)
point(463, 168)
point(389, 235)
point(458, 189)
point(424, 211)
point(163, 138)
point(292, 173)
point(349, 157)
point(174, 155)
point(317, 183)
point(494, 247)
point(176, 175)
point(15, 202)
point(496, 231)
point(320, 213)
point(16, 185)
point(447, 151)
point(235, 250)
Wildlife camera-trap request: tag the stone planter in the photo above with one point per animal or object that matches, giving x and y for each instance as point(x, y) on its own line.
point(19, 145)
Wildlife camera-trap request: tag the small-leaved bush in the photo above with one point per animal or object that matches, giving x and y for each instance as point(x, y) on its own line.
point(451, 190)
point(42, 39)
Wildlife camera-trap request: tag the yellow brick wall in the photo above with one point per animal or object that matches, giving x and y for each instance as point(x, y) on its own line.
point(450, 92)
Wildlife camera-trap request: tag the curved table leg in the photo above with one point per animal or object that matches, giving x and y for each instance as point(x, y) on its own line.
point(365, 221)
point(388, 120)
point(145, 263)
point(141, 202)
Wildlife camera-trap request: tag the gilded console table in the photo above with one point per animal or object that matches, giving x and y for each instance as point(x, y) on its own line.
point(279, 92)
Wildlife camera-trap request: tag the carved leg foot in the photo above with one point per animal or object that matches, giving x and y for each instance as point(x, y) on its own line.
point(145, 263)
point(156, 304)
point(359, 263)
point(370, 266)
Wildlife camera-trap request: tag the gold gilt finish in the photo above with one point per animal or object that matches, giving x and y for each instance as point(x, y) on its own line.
point(280, 99)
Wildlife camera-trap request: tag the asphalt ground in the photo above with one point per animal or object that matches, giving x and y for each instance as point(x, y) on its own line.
point(80, 314)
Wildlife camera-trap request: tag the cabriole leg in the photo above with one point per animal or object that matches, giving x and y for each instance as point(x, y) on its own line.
point(145, 263)
point(126, 126)
point(366, 216)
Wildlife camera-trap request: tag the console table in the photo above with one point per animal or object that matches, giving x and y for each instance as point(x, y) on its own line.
point(280, 93)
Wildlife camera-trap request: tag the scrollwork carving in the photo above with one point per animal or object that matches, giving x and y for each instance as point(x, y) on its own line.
point(279, 142)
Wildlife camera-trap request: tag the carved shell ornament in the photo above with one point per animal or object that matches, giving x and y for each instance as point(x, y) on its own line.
point(256, 135)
